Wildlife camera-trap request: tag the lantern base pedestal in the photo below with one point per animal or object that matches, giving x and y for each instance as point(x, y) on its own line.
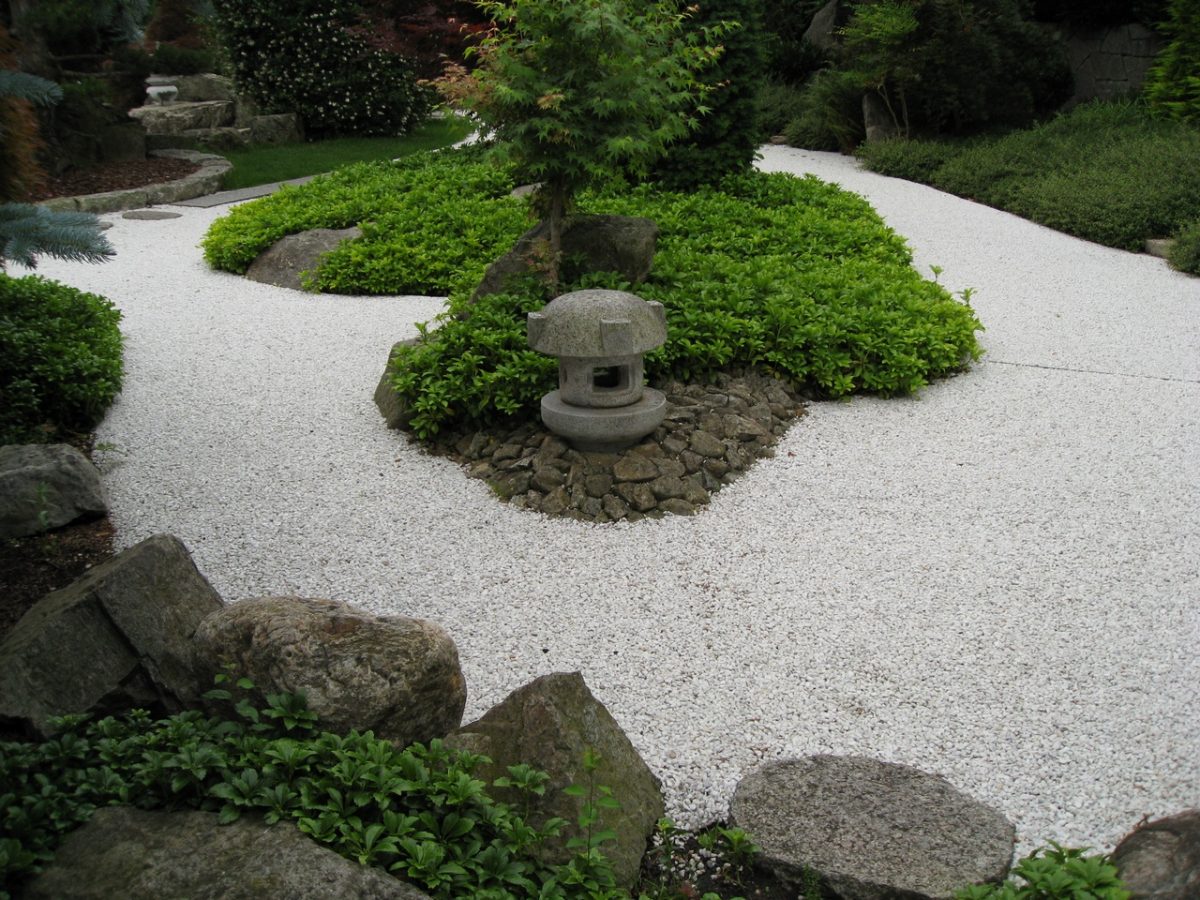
point(604, 429)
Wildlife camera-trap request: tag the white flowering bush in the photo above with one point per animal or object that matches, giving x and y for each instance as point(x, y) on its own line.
point(317, 58)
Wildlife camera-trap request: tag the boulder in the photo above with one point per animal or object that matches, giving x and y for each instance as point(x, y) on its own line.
point(139, 855)
point(623, 244)
point(119, 637)
point(1161, 859)
point(283, 128)
point(871, 830)
point(283, 262)
point(207, 86)
point(877, 121)
point(394, 410)
point(45, 486)
point(550, 723)
point(822, 31)
point(177, 118)
point(227, 137)
point(395, 676)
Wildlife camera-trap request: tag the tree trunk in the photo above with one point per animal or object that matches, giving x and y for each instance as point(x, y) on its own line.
point(557, 215)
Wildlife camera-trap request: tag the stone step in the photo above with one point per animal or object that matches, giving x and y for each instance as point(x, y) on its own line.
point(275, 129)
point(178, 118)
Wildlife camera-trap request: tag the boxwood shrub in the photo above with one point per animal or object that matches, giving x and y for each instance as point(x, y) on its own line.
point(1185, 253)
point(1107, 172)
point(60, 358)
point(784, 274)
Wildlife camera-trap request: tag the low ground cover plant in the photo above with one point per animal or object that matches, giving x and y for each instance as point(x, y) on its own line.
point(788, 275)
point(60, 359)
point(1109, 172)
point(418, 812)
point(1055, 872)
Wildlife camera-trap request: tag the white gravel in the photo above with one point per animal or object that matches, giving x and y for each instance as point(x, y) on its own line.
point(998, 581)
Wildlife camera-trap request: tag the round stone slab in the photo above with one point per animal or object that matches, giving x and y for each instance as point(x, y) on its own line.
point(872, 830)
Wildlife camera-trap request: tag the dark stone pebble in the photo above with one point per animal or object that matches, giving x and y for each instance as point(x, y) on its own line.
point(711, 435)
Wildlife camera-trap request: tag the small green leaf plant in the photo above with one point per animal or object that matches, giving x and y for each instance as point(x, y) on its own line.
point(1055, 872)
point(418, 813)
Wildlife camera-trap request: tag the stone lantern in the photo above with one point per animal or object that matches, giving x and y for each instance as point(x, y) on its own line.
point(599, 337)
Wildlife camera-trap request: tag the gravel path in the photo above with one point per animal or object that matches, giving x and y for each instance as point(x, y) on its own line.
point(996, 581)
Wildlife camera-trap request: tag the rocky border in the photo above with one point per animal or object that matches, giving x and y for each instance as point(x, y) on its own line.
point(206, 180)
point(713, 433)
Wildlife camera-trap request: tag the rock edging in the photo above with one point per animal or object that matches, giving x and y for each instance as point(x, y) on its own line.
point(206, 180)
point(712, 434)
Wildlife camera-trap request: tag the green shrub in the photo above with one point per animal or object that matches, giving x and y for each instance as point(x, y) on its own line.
point(726, 136)
point(79, 28)
point(912, 160)
point(418, 813)
point(313, 58)
point(830, 116)
point(1185, 254)
point(952, 66)
point(1055, 873)
point(60, 358)
point(777, 104)
point(77, 124)
point(790, 275)
point(1106, 172)
point(1173, 83)
point(789, 57)
point(171, 60)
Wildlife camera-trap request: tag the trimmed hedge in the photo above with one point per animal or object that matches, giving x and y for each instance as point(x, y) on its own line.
point(60, 358)
point(789, 275)
point(1107, 172)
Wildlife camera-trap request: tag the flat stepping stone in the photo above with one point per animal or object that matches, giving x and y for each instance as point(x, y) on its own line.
point(871, 829)
point(150, 215)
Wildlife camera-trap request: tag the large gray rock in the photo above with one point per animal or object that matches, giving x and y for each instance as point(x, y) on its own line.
point(623, 244)
point(549, 724)
point(282, 128)
point(288, 258)
point(206, 86)
point(871, 830)
point(394, 410)
point(119, 637)
point(1161, 859)
point(396, 676)
point(822, 31)
point(45, 486)
point(177, 118)
point(138, 855)
point(877, 121)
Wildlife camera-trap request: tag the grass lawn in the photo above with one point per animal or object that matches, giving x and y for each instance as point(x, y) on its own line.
point(1107, 172)
point(263, 165)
